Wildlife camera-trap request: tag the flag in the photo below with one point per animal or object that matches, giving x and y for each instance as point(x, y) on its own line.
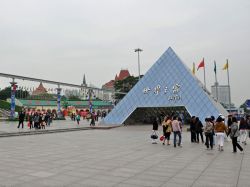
point(201, 65)
point(193, 69)
point(225, 66)
point(215, 69)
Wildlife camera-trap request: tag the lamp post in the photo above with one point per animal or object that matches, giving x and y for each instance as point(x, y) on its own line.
point(138, 50)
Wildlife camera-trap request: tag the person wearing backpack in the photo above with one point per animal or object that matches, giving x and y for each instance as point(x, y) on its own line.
point(234, 135)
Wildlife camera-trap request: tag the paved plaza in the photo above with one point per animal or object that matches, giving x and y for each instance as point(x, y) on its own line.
point(119, 157)
point(11, 127)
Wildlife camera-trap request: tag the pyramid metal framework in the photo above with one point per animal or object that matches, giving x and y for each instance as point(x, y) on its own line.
point(168, 83)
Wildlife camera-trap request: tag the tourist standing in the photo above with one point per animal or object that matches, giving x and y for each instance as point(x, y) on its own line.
point(192, 129)
point(31, 120)
point(78, 117)
point(198, 130)
point(49, 118)
point(209, 132)
point(234, 135)
point(177, 130)
point(21, 119)
point(92, 122)
point(181, 126)
point(243, 131)
point(167, 129)
point(155, 130)
point(229, 123)
point(36, 120)
point(213, 122)
point(220, 129)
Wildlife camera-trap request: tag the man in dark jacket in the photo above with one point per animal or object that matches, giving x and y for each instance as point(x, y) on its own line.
point(192, 129)
point(198, 130)
point(21, 119)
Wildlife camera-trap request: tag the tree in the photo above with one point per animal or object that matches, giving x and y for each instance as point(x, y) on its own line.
point(124, 86)
point(20, 94)
point(5, 93)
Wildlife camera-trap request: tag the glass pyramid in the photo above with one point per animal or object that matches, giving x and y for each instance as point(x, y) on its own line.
point(167, 84)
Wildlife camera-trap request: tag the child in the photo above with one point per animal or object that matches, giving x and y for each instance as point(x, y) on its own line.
point(78, 117)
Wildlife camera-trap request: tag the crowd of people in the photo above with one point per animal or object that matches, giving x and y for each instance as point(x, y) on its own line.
point(39, 120)
point(35, 120)
point(213, 132)
point(89, 116)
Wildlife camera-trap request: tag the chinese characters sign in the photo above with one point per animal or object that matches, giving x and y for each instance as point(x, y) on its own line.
point(172, 92)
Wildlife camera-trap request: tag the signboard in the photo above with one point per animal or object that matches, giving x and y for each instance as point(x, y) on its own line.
point(172, 92)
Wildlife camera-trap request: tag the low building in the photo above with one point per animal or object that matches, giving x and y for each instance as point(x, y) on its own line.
point(52, 104)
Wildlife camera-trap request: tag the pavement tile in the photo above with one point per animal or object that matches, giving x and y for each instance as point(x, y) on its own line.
point(143, 182)
point(97, 183)
point(118, 157)
point(151, 177)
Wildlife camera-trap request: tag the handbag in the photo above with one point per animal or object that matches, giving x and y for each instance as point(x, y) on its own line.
point(162, 138)
point(154, 136)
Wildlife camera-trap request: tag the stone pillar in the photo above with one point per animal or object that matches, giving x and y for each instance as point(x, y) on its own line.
point(12, 98)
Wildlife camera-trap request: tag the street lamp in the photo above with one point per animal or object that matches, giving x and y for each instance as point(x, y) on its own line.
point(138, 50)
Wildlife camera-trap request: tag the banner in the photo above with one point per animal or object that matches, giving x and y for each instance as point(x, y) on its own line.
point(58, 100)
point(12, 101)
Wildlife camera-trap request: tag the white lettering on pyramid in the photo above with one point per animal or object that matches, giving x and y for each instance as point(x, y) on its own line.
point(175, 91)
point(166, 90)
point(176, 88)
point(157, 89)
point(146, 90)
point(174, 98)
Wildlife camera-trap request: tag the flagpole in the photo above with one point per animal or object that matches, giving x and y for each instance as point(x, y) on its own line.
point(204, 75)
point(229, 90)
point(216, 81)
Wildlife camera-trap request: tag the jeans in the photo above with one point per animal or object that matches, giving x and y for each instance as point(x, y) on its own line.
point(197, 136)
point(209, 140)
point(193, 136)
point(177, 133)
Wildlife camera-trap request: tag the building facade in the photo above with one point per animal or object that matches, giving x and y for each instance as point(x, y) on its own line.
point(223, 93)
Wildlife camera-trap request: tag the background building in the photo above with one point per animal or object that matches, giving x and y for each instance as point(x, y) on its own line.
point(223, 93)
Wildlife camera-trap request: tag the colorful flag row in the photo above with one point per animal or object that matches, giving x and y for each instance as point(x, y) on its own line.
point(202, 65)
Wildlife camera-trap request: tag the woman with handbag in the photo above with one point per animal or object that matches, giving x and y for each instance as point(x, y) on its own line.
point(234, 135)
point(154, 135)
point(167, 129)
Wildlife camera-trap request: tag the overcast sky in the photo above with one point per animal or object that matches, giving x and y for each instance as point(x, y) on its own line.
point(63, 39)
